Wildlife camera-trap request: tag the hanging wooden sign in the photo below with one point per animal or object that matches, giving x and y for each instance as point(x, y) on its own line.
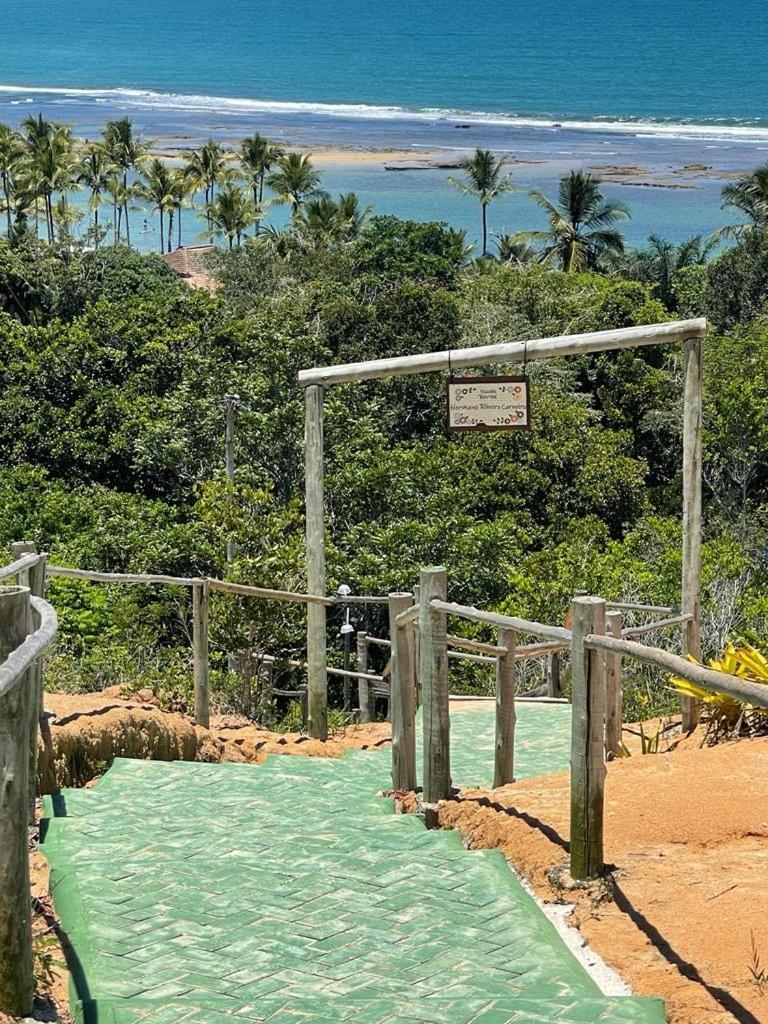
point(488, 403)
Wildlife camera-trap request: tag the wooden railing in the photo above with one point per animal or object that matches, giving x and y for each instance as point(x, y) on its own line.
point(27, 626)
point(597, 644)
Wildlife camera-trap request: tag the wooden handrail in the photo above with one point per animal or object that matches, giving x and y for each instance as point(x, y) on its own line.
point(559, 633)
point(14, 568)
point(632, 606)
point(121, 577)
point(245, 590)
point(20, 659)
point(708, 678)
point(653, 627)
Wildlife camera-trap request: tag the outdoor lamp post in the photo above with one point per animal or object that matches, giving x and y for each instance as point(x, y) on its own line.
point(347, 629)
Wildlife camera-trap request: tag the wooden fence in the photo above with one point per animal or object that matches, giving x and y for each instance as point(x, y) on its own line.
point(27, 626)
point(421, 650)
point(597, 646)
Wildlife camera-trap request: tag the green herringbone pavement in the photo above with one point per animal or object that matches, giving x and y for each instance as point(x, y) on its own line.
point(289, 893)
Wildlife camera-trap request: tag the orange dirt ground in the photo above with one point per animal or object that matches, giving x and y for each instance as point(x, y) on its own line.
point(687, 906)
point(687, 831)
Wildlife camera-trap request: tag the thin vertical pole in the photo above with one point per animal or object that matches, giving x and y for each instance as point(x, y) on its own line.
point(317, 678)
point(417, 647)
point(403, 696)
point(200, 652)
point(614, 701)
point(16, 974)
point(433, 676)
point(363, 693)
point(691, 583)
point(553, 675)
point(504, 764)
point(229, 458)
point(587, 740)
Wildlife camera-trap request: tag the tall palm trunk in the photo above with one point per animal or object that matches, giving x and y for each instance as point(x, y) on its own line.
point(484, 207)
point(178, 224)
point(125, 207)
point(7, 191)
point(162, 230)
point(170, 229)
point(257, 222)
point(95, 224)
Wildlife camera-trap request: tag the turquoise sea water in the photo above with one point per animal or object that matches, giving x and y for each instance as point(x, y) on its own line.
point(661, 84)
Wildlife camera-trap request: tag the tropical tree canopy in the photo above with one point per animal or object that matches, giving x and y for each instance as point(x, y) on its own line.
point(580, 224)
point(485, 179)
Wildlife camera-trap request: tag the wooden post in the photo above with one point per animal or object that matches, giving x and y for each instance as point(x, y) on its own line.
point(691, 583)
point(613, 692)
point(587, 740)
point(363, 691)
point(200, 652)
point(417, 647)
point(16, 976)
point(433, 676)
point(231, 402)
point(504, 765)
point(317, 678)
point(553, 674)
point(36, 582)
point(403, 696)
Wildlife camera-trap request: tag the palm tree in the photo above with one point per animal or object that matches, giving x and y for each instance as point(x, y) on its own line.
point(294, 180)
point(50, 163)
point(128, 153)
point(230, 214)
point(580, 226)
point(327, 220)
point(748, 195)
point(660, 260)
point(158, 189)
point(486, 180)
point(257, 155)
point(511, 251)
point(207, 167)
point(11, 152)
point(96, 171)
point(183, 187)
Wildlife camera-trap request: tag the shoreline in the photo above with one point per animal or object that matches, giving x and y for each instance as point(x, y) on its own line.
point(403, 160)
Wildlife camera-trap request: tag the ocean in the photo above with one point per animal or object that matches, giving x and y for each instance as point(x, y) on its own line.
point(660, 85)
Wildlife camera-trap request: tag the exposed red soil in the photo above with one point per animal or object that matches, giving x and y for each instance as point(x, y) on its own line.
point(687, 833)
point(90, 730)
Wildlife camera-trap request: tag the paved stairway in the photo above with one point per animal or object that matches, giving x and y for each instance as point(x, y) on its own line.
point(289, 893)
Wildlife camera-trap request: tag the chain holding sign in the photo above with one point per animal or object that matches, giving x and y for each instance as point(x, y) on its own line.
point(488, 403)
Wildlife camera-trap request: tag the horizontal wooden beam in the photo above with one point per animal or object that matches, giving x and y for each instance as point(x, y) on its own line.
point(707, 678)
point(505, 352)
point(559, 633)
point(476, 645)
point(409, 615)
point(14, 568)
point(632, 606)
point(653, 627)
point(370, 676)
point(244, 590)
point(120, 577)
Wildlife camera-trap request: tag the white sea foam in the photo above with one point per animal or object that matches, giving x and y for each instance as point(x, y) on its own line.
point(222, 105)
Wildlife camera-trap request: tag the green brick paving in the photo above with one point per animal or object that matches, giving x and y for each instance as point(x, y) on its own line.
point(289, 893)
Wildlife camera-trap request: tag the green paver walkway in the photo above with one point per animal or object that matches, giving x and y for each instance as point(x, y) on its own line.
point(289, 893)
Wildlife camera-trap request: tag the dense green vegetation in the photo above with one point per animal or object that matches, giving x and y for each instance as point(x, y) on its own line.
point(114, 375)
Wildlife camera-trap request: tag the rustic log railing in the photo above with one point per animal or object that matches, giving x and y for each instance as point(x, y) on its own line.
point(27, 626)
point(597, 644)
